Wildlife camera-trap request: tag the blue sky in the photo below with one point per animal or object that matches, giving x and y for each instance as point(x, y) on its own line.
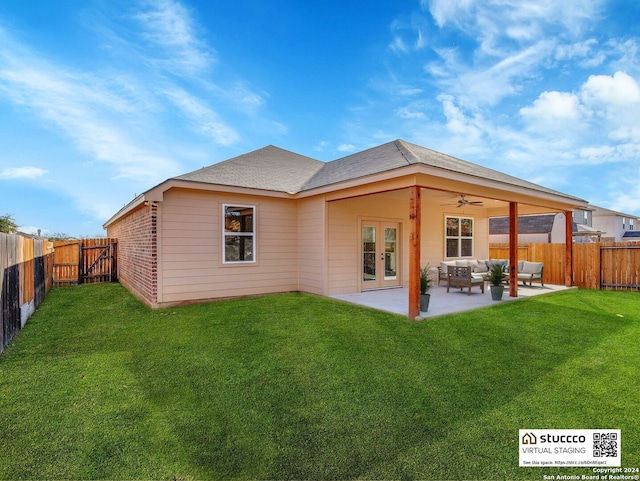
point(101, 100)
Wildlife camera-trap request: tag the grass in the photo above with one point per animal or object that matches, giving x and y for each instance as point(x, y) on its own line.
point(296, 386)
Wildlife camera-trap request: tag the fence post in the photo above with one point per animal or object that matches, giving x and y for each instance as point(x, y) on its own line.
point(568, 266)
point(80, 262)
point(114, 261)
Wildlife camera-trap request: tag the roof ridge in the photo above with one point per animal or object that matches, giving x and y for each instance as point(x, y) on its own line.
point(268, 168)
point(405, 151)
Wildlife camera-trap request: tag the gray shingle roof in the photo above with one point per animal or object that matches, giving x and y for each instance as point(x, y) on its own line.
point(272, 168)
point(383, 158)
point(631, 234)
point(527, 224)
point(269, 168)
point(400, 153)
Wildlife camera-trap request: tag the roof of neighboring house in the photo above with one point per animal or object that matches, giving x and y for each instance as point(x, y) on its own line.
point(598, 211)
point(631, 234)
point(527, 224)
point(585, 228)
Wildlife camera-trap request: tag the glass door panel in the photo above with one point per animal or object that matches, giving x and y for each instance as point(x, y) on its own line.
point(380, 255)
point(369, 254)
point(390, 250)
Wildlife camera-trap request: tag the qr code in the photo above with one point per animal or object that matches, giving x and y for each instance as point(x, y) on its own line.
point(605, 445)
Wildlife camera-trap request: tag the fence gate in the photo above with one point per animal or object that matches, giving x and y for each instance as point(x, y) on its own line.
point(85, 261)
point(620, 267)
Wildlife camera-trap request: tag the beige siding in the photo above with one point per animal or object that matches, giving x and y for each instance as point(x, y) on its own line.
point(346, 216)
point(344, 250)
point(433, 221)
point(312, 247)
point(191, 242)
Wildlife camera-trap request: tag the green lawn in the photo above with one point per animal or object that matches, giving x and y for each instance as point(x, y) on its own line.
point(296, 386)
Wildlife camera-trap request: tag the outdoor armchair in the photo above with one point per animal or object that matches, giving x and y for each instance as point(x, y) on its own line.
point(531, 271)
point(461, 277)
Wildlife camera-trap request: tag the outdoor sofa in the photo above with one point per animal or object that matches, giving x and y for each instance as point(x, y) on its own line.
point(479, 268)
point(528, 272)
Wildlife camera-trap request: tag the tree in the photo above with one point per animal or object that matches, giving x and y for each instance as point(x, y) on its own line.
point(7, 224)
point(58, 236)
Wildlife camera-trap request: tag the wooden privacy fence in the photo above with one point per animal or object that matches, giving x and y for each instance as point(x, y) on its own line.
point(26, 266)
point(598, 265)
point(607, 265)
point(85, 261)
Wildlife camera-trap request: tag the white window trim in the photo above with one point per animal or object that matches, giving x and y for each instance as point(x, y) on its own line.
point(459, 237)
point(226, 234)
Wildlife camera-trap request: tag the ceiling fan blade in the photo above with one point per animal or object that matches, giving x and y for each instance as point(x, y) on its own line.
point(462, 202)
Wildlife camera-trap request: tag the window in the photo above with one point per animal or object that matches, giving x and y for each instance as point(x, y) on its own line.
point(458, 237)
point(239, 234)
point(624, 223)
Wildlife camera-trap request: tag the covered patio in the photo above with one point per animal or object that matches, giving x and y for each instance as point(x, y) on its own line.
point(395, 300)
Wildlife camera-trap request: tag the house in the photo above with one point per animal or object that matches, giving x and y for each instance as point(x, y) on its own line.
point(541, 228)
point(275, 221)
point(613, 224)
point(631, 236)
point(544, 228)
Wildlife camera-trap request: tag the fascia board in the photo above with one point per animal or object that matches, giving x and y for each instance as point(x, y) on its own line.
point(465, 182)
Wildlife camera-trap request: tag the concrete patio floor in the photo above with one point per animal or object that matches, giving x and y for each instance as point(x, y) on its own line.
point(397, 300)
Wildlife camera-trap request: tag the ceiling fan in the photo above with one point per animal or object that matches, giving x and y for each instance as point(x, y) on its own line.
point(462, 202)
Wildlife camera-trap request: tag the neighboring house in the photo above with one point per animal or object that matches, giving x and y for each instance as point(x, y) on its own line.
point(631, 236)
point(543, 228)
point(612, 224)
point(275, 221)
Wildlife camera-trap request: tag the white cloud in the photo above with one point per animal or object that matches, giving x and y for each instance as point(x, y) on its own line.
point(170, 30)
point(525, 20)
point(75, 104)
point(627, 202)
point(206, 121)
point(512, 42)
point(489, 85)
point(587, 53)
point(398, 45)
point(408, 35)
point(626, 133)
point(410, 91)
point(22, 173)
point(346, 148)
point(99, 121)
point(621, 90)
point(410, 112)
point(321, 146)
point(458, 124)
point(245, 98)
point(598, 154)
point(553, 106)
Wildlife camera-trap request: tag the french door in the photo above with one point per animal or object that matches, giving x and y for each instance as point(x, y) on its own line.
point(380, 255)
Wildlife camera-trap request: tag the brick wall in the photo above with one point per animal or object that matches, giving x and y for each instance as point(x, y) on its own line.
point(138, 252)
